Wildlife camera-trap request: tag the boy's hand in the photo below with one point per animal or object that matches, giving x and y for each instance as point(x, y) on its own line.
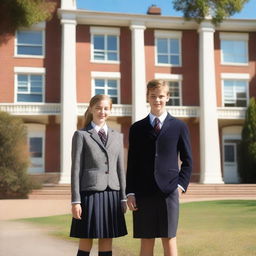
point(131, 202)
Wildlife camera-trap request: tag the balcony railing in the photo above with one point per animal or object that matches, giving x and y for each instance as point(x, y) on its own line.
point(231, 113)
point(31, 108)
point(117, 110)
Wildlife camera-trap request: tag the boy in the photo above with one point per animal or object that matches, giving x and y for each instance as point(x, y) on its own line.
point(154, 180)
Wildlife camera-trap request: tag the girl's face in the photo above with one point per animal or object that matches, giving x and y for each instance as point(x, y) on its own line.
point(100, 112)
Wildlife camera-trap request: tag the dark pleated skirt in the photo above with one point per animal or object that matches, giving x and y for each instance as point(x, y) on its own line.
point(102, 216)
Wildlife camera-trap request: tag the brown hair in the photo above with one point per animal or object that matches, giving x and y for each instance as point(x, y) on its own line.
point(157, 83)
point(94, 100)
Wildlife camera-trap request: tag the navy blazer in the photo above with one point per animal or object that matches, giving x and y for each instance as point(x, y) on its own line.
point(153, 159)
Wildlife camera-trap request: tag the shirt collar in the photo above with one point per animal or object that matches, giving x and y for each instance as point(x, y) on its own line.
point(161, 118)
point(97, 128)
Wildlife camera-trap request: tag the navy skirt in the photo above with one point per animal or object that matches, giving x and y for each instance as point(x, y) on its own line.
point(102, 216)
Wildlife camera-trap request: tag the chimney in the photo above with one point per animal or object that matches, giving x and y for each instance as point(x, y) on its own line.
point(154, 10)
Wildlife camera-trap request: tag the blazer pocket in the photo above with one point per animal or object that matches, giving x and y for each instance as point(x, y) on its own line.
point(90, 177)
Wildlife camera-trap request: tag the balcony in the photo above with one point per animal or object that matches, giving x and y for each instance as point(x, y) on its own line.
point(38, 109)
point(31, 109)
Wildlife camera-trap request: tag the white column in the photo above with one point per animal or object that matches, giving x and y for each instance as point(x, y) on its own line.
point(139, 109)
point(68, 95)
point(68, 4)
point(209, 132)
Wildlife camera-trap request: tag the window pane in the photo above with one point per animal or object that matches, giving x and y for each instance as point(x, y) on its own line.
point(30, 50)
point(162, 46)
point(29, 37)
point(112, 56)
point(99, 91)
point(112, 92)
point(114, 100)
point(29, 98)
point(98, 42)
point(99, 82)
point(162, 59)
point(112, 83)
point(234, 51)
point(99, 55)
point(36, 147)
point(175, 60)
point(229, 153)
point(174, 46)
point(112, 42)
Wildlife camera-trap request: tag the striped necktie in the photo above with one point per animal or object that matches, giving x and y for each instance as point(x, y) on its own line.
point(157, 125)
point(103, 136)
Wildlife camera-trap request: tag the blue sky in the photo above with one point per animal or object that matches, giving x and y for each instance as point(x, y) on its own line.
point(141, 6)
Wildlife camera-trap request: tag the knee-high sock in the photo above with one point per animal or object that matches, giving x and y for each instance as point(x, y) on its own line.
point(82, 253)
point(109, 253)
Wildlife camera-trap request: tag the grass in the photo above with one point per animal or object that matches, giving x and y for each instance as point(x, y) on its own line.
point(214, 228)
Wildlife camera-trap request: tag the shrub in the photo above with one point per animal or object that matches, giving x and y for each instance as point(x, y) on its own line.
point(14, 158)
point(247, 146)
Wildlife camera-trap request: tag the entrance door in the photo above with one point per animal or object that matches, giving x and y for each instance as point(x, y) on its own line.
point(230, 162)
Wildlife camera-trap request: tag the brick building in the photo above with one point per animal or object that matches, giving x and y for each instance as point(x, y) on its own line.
point(50, 71)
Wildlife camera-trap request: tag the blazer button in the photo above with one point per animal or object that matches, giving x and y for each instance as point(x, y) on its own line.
point(107, 172)
point(106, 162)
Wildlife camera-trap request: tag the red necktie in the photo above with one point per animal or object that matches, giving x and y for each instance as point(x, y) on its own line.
point(103, 136)
point(157, 125)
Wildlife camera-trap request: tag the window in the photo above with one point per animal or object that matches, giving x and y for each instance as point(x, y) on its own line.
point(174, 81)
point(234, 49)
point(36, 144)
point(235, 93)
point(107, 83)
point(30, 42)
point(105, 44)
point(29, 84)
point(174, 89)
point(168, 48)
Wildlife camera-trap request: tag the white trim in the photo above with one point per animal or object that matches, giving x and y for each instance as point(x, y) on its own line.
point(31, 70)
point(37, 130)
point(105, 30)
point(96, 74)
point(168, 76)
point(168, 35)
point(16, 86)
point(234, 36)
point(232, 78)
point(235, 76)
point(106, 76)
point(36, 27)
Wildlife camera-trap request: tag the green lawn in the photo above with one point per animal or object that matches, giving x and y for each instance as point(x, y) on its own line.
point(214, 228)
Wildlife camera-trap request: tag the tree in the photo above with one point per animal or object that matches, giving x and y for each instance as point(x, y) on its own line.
point(247, 146)
point(217, 9)
point(23, 13)
point(14, 180)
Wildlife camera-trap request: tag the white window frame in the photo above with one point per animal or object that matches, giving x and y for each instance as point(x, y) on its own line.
point(235, 37)
point(28, 71)
point(168, 35)
point(38, 27)
point(172, 78)
point(107, 76)
point(105, 31)
point(37, 130)
point(235, 76)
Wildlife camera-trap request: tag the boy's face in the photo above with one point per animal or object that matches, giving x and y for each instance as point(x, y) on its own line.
point(157, 99)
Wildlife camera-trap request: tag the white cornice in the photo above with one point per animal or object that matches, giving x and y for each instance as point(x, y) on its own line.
point(152, 21)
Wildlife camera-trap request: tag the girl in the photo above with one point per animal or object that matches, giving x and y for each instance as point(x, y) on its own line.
point(97, 181)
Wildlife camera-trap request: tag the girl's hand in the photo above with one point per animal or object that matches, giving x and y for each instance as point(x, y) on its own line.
point(76, 211)
point(124, 206)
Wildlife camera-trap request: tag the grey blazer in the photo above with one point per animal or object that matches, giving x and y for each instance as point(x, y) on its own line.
point(95, 166)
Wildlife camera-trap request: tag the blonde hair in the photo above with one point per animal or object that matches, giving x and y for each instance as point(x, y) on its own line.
point(157, 83)
point(94, 100)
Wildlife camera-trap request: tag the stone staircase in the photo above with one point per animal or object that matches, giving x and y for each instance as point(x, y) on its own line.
point(196, 192)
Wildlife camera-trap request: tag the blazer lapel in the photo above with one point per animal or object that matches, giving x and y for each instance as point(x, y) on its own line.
point(149, 129)
point(94, 135)
point(110, 137)
point(166, 124)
